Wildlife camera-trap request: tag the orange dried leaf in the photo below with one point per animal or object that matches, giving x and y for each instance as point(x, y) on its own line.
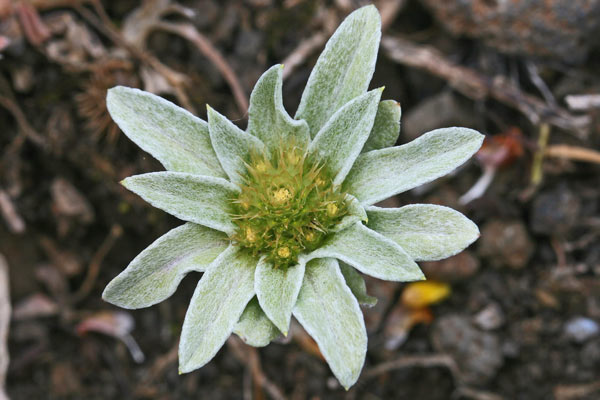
point(425, 293)
point(502, 149)
point(401, 321)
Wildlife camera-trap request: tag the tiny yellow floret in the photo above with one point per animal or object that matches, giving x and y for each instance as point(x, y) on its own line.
point(245, 204)
point(284, 252)
point(281, 196)
point(250, 235)
point(261, 167)
point(332, 209)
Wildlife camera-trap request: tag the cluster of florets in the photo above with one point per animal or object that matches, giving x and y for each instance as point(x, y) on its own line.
point(287, 205)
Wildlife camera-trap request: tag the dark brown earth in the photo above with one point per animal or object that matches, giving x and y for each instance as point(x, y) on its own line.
point(523, 314)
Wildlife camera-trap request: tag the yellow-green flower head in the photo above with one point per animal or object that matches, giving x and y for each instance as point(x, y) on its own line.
point(280, 217)
point(288, 205)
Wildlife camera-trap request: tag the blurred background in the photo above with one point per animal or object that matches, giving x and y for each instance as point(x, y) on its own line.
point(515, 316)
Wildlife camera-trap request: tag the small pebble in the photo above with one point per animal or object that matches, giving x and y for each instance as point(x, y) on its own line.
point(580, 329)
point(555, 211)
point(452, 269)
point(506, 243)
point(332, 383)
point(478, 354)
point(490, 318)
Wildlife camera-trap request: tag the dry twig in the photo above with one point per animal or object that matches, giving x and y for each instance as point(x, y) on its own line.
point(476, 394)
point(9, 212)
point(190, 33)
point(249, 356)
point(176, 79)
point(8, 101)
point(429, 361)
point(389, 9)
point(477, 86)
point(34, 29)
point(4, 323)
point(574, 392)
point(538, 158)
point(94, 268)
point(583, 102)
point(302, 52)
point(50, 4)
point(162, 363)
point(573, 153)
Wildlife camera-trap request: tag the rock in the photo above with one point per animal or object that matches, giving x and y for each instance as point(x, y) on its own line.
point(23, 78)
point(67, 201)
point(441, 110)
point(590, 354)
point(543, 28)
point(490, 318)
point(207, 13)
point(555, 211)
point(453, 269)
point(506, 243)
point(478, 354)
point(70, 207)
point(581, 329)
point(248, 44)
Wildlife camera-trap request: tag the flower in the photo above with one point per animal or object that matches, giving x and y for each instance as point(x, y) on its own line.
point(280, 217)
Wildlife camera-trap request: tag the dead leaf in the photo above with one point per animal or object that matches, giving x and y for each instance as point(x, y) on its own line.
point(34, 29)
point(74, 45)
point(574, 153)
point(4, 323)
point(118, 324)
point(401, 321)
point(35, 306)
point(497, 151)
point(422, 294)
point(299, 335)
point(68, 202)
point(502, 149)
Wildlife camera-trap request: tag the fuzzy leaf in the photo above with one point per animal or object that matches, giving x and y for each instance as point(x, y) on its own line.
point(379, 174)
point(175, 137)
point(356, 213)
point(232, 145)
point(268, 119)
point(426, 232)
point(277, 290)
point(371, 253)
point(386, 127)
point(357, 285)
point(200, 199)
point(344, 68)
point(156, 272)
point(340, 141)
point(329, 312)
point(254, 327)
point(216, 306)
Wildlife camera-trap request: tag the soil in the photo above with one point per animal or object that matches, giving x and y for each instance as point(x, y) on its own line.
point(522, 319)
